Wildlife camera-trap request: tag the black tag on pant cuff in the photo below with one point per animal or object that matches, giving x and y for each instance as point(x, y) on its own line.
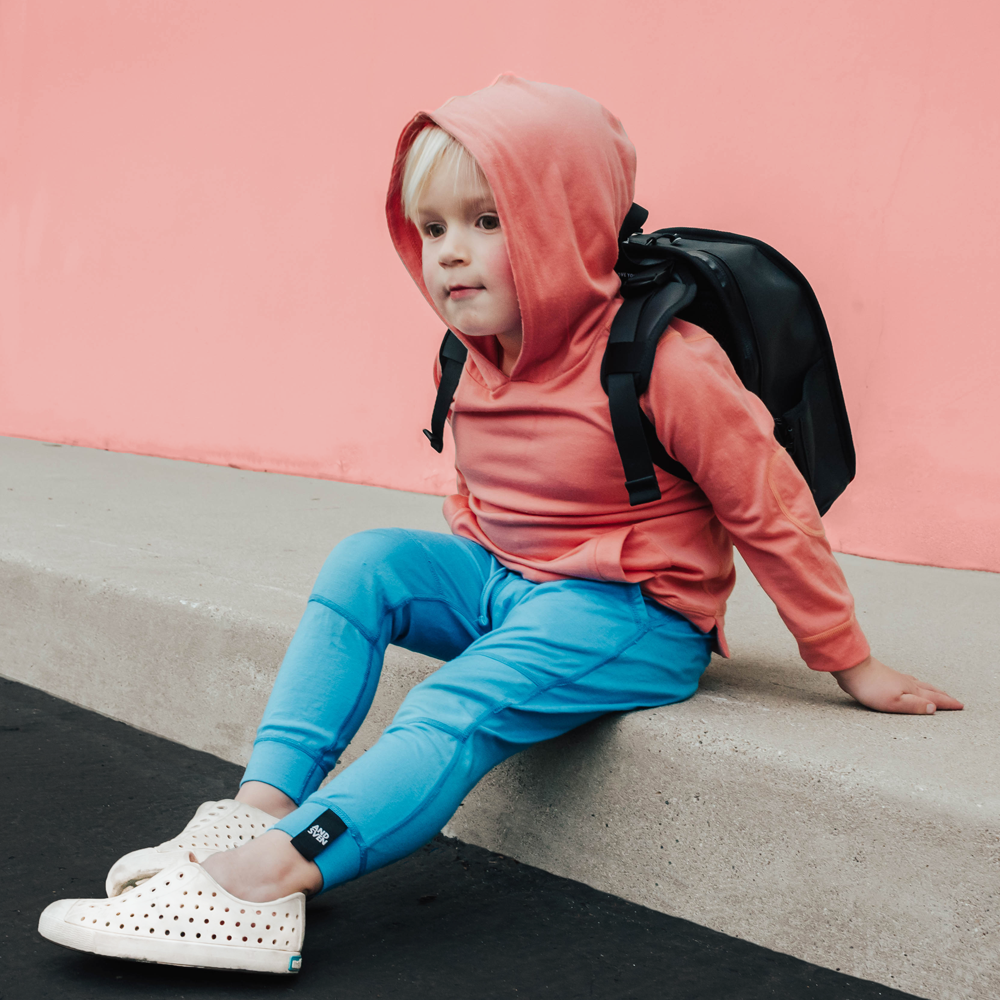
point(324, 830)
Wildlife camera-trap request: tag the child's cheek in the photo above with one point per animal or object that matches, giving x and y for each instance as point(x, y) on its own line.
point(432, 276)
point(500, 269)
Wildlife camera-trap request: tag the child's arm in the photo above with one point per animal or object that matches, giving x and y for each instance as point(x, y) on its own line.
point(724, 436)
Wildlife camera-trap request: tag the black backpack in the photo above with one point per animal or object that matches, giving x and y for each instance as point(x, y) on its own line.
point(760, 309)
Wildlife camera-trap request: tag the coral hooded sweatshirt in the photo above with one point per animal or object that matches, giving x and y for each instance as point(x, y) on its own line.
point(540, 481)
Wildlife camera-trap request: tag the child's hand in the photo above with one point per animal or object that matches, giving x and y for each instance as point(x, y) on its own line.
point(886, 690)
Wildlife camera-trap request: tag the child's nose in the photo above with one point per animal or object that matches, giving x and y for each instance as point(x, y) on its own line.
point(454, 249)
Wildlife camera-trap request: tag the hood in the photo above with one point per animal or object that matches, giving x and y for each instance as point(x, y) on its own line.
point(562, 171)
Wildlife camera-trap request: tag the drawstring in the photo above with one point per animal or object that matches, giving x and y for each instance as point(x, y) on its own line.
point(484, 602)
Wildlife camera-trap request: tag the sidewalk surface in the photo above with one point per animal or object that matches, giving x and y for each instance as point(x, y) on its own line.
point(768, 807)
point(452, 922)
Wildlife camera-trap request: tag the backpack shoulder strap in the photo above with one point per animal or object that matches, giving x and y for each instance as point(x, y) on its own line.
point(652, 299)
point(452, 356)
point(634, 220)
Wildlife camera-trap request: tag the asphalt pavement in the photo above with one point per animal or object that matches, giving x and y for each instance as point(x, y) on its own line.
point(452, 921)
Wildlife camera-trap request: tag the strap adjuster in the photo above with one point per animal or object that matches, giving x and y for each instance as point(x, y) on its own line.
point(644, 282)
point(436, 440)
point(643, 490)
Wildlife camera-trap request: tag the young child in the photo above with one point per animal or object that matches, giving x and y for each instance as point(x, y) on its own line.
point(552, 602)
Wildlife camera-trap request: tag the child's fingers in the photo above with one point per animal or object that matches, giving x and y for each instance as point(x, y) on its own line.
point(913, 704)
point(930, 687)
point(941, 698)
point(925, 701)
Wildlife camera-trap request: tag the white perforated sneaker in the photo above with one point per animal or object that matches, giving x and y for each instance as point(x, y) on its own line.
point(216, 826)
point(182, 916)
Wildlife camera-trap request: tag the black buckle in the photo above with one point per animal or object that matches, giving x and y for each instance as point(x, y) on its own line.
point(644, 282)
point(644, 490)
point(437, 442)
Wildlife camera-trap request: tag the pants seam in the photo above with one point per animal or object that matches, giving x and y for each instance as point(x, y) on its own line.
point(427, 720)
point(371, 639)
point(539, 689)
point(505, 663)
point(355, 833)
point(362, 688)
point(389, 609)
point(435, 569)
point(431, 795)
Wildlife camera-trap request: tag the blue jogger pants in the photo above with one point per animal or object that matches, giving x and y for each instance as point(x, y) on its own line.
point(525, 662)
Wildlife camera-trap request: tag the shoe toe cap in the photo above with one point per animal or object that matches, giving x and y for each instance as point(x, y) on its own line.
point(57, 910)
point(52, 922)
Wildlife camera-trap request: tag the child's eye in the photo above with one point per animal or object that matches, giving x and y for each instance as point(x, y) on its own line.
point(489, 222)
point(434, 230)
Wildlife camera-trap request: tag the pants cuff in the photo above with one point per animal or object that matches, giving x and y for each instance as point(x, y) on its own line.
point(284, 767)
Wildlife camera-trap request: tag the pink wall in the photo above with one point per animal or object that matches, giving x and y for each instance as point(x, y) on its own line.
point(194, 263)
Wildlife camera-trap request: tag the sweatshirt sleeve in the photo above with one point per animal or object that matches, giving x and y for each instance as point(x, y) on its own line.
point(723, 434)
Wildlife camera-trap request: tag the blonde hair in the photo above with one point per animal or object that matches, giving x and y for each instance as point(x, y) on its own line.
point(433, 150)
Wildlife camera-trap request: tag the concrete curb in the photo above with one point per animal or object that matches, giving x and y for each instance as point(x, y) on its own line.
point(768, 807)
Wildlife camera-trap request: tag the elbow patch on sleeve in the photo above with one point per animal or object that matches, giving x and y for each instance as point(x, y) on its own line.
point(792, 494)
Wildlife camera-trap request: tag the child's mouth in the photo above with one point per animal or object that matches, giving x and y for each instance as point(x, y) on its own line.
point(463, 291)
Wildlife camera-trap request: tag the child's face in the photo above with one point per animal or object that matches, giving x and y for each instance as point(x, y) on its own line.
point(465, 265)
